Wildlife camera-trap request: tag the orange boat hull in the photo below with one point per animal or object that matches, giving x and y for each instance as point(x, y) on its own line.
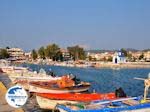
point(78, 96)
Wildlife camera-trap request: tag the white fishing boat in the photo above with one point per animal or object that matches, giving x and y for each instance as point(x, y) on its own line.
point(45, 103)
point(32, 76)
point(13, 69)
point(25, 78)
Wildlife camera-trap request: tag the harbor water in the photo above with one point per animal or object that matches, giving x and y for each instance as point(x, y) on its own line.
point(103, 80)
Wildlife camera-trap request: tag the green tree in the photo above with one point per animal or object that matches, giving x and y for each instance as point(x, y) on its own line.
point(41, 52)
point(48, 52)
point(34, 54)
point(109, 58)
point(7, 47)
point(124, 52)
point(141, 56)
point(129, 55)
point(4, 54)
point(51, 51)
point(58, 56)
point(90, 58)
point(77, 52)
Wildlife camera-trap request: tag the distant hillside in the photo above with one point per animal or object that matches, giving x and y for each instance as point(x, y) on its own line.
point(98, 51)
point(146, 50)
point(131, 49)
point(102, 51)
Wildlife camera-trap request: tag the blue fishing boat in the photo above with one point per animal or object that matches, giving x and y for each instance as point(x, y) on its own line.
point(132, 104)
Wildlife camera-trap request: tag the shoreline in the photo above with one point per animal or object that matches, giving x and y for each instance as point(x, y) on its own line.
point(130, 65)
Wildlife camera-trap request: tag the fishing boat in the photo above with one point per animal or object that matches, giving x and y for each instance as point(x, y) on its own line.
point(132, 104)
point(28, 76)
point(64, 85)
point(129, 104)
point(45, 103)
point(24, 81)
point(84, 97)
point(48, 87)
point(13, 69)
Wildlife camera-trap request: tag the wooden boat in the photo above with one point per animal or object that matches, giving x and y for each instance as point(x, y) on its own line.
point(13, 69)
point(49, 87)
point(45, 103)
point(84, 97)
point(24, 81)
point(119, 105)
point(26, 77)
point(133, 104)
point(63, 85)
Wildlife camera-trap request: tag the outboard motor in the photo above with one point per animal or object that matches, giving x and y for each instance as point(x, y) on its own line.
point(73, 77)
point(51, 73)
point(120, 93)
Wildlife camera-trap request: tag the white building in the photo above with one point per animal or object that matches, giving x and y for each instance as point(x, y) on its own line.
point(147, 56)
point(16, 54)
point(66, 55)
point(119, 58)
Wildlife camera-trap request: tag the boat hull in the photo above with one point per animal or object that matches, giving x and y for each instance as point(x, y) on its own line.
point(37, 89)
point(85, 97)
point(45, 103)
point(118, 105)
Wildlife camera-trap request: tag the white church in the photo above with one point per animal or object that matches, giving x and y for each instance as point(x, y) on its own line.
point(119, 57)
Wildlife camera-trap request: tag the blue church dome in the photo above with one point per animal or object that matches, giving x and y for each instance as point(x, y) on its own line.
point(121, 54)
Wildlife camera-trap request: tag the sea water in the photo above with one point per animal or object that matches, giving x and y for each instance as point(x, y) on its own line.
point(103, 80)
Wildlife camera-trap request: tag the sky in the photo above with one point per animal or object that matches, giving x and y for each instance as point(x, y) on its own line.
point(94, 24)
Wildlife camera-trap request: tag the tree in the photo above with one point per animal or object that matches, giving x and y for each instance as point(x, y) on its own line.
point(58, 56)
point(141, 56)
point(130, 58)
point(7, 47)
point(51, 51)
point(48, 53)
point(90, 58)
point(124, 52)
point(41, 52)
point(77, 52)
point(4, 54)
point(109, 58)
point(34, 54)
point(129, 55)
